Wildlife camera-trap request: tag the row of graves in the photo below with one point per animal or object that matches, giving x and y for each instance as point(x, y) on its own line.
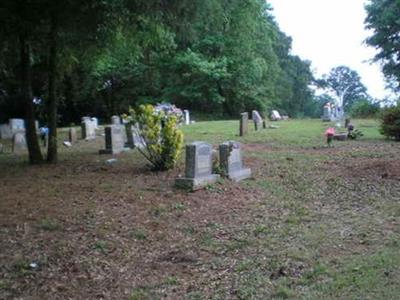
point(258, 120)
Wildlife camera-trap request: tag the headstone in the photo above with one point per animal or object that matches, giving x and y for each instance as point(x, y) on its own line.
point(346, 122)
point(198, 169)
point(129, 136)
point(244, 123)
point(5, 132)
point(256, 119)
point(1, 148)
point(72, 137)
point(114, 140)
point(86, 118)
point(19, 142)
point(230, 157)
point(88, 130)
point(115, 120)
point(275, 116)
point(37, 125)
point(340, 136)
point(327, 115)
point(95, 122)
point(16, 125)
point(186, 115)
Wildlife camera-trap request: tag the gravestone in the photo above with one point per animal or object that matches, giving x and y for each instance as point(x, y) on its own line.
point(17, 125)
point(114, 140)
point(88, 130)
point(346, 122)
point(129, 136)
point(230, 157)
point(95, 122)
point(275, 116)
point(186, 115)
point(86, 118)
point(256, 119)
point(198, 168)
point(327, 114)
point(244, 123)
point(115, 120)
point(72, 138)
point(5, 132)
point(19, 142)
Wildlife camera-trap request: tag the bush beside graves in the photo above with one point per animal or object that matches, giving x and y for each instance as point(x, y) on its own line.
point(390, 122)
point(163, 140)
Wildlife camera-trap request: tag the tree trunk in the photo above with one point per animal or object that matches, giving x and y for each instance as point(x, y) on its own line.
point(52, 153)
point(35, 155)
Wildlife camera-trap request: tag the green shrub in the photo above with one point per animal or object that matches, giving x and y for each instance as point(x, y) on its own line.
point(390, 122)
point(364, 109)
point(163, 140)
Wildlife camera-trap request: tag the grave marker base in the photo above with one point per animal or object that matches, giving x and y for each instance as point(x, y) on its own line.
point(197, 183)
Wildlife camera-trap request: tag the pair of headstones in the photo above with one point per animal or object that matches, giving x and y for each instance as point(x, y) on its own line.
point(244, 122)
point(199, 163)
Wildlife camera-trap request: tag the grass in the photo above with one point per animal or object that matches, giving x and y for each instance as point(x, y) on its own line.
point(314, 222)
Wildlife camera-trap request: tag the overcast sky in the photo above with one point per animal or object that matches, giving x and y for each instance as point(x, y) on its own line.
point(330, 33)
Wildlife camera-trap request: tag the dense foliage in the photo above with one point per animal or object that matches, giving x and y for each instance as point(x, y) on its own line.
point(162, 140)
point(214, 56)
point(383, 20)
point(365, 109)
point(390, 122)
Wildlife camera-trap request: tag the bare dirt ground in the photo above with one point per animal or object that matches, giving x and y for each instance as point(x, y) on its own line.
point(120, 231)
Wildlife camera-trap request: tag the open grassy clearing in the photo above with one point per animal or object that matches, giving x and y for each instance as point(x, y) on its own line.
point(314, 222)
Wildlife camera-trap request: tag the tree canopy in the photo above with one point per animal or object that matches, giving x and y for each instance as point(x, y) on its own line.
point(383, 20)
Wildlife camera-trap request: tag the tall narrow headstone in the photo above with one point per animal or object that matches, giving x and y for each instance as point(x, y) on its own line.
point(256, 119)
point(186, 115)
point(19, 142)
point(114, 140)
point(230, 156)
point(129, 136)
point(72, 135)
point(327, 115)
point(244, 123)
point(88, 130)
point(198, 168)
point(115, 120)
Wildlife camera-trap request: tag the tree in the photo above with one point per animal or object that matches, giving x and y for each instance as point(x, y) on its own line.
point(346, 86)
point(19, 19)
point(383, 19)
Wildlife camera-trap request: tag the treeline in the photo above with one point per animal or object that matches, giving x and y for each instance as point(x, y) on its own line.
point(220, 57)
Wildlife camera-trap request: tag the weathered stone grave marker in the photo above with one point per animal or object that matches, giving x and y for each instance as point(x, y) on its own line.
point(19, 142)
point(327, 114)
point(88, 130)
point(230, 157)
point(186, 116)
point(275, 115)
point(198, 169)
point(115, 120)
point(256, 119)
point(72, 138)
point(114, 140)
point(244, 124)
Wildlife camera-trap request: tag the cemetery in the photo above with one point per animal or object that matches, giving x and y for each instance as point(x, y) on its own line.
point(202, 149)
point(275, 205)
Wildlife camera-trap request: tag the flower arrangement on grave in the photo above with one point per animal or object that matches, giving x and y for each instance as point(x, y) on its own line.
point(162, 140)
point(170, 110)
point(329, 133)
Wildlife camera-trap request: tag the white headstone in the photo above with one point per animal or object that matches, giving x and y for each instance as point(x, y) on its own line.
point(275, 116)
point(187, 117)
point(19, 142)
